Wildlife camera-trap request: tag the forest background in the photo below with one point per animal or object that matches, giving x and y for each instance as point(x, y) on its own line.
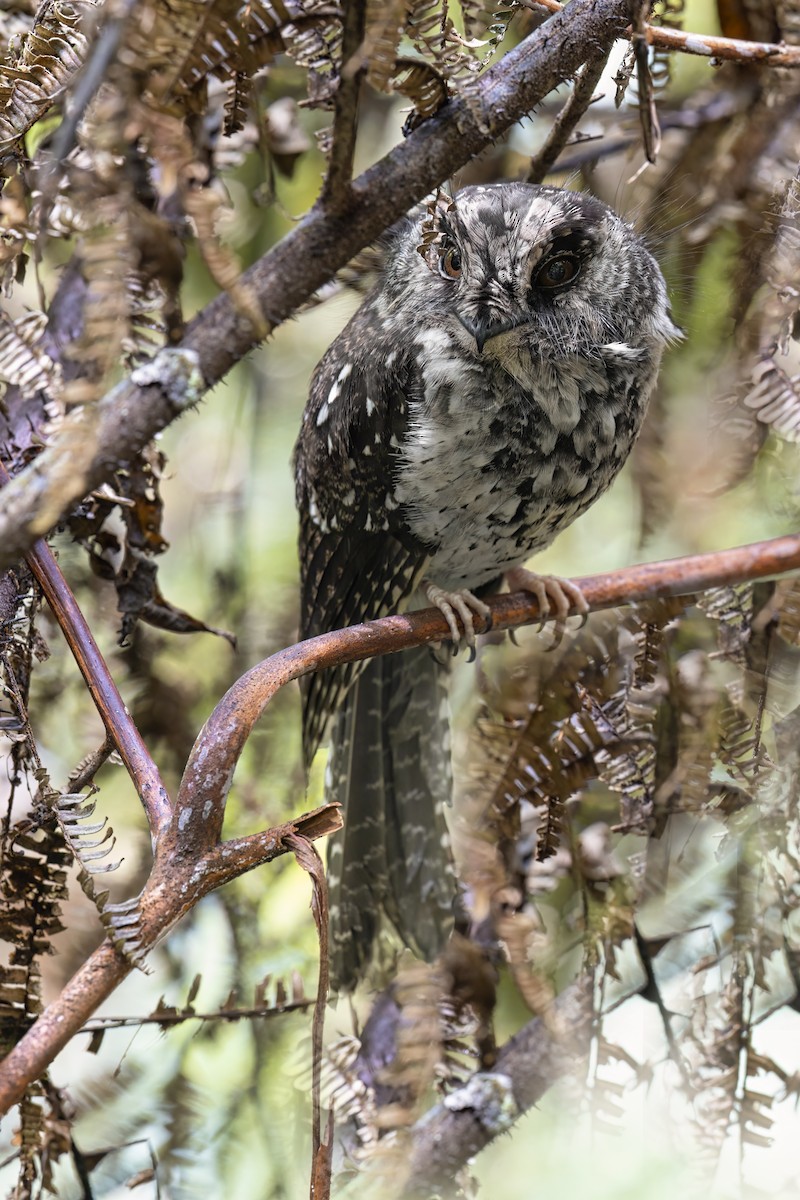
point(655, 752)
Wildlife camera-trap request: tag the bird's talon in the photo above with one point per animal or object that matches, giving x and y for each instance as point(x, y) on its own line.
point(558, 598)
point(558, 636)
point(458, 606)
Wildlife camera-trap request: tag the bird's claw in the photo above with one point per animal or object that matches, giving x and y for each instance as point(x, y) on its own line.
point(461, 606)
point(558, 598)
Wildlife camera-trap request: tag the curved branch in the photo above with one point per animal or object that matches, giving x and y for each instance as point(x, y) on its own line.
point(190, 862)
point(168, 896)
point(323, 242)
point(200, 804)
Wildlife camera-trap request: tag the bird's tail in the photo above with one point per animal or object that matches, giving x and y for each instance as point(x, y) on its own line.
point(389, 767)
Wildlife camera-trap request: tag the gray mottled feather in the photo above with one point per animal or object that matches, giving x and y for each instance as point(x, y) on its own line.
point(483, 396)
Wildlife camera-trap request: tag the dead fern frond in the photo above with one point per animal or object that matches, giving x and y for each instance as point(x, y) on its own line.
point(774, 397)
point(423, 85)
point(315, 44)
point(787, 598)
point(732, 608)
point(107, 254)
point(383, 32)
point(207, 38)
point(48, 60)
point(741, 748)
point(34, 887)
point(90, 842)
point(24, 363)
point(434, 35)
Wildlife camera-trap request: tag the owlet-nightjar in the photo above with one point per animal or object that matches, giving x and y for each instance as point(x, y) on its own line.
point(487, 391)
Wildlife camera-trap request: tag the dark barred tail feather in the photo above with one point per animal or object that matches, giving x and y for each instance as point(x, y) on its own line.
point(389, 767)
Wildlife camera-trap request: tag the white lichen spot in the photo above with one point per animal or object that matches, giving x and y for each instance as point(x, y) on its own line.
point(490, 1098)
point(697, 45)
point(184, 818)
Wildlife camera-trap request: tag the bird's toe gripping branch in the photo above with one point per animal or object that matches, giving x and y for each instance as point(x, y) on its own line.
point(460, 606)
point(558, 598)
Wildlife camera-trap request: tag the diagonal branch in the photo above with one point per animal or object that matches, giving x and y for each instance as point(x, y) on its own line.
point(528, 1064)
point(122, 733)
point(323, 242)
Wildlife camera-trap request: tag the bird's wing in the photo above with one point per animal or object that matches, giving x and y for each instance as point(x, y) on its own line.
point(358, 561)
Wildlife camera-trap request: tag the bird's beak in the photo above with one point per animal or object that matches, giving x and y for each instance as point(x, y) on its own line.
point(485, 327)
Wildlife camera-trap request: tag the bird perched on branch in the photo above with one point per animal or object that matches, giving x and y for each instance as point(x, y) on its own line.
point(486, 392)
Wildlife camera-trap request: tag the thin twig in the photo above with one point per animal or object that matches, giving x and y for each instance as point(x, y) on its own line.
point(773, 54)
point(168, 1018)
point(720, 108)
point(86, 83)
point(337, 192)
point(122, 732)
point(88, 767)
point(564, 124)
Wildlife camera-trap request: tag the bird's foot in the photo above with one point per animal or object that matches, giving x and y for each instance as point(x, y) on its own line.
point(558, 598)
point(458, 606)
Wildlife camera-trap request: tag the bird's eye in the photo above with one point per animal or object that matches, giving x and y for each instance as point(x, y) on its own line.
point(557, 271)
point(450, 263)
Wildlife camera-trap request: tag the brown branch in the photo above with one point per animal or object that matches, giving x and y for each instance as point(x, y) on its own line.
point(773, 54)
point(564, 124)
point(730, 49)
point(324, 241)
point(199, 806)
point(87, 768)
point(337, 192)
point(190, 860)
point(122, 732)
point(172, 890)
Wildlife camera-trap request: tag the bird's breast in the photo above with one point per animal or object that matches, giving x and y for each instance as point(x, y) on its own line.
point(493, 467)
